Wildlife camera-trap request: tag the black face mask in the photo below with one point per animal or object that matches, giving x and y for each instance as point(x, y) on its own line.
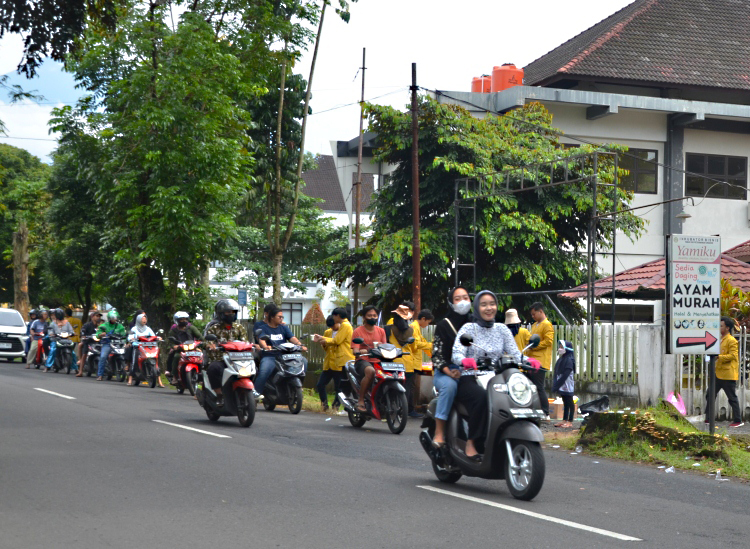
point(371, 321)
point(182, 323)
point(230, 318)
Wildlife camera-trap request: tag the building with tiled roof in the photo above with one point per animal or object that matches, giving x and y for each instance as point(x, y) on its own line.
point(670, 79)
point(323, 183)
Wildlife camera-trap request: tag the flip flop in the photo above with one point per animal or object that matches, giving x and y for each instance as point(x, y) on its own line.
point(362, 409)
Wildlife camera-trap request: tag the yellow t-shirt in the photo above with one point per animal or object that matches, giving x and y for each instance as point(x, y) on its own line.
point(728, 362)
point(75, 322)
point(543, 352)
point(522, 337)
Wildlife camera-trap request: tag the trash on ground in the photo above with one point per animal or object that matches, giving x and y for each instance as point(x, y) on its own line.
point(328, 419)
point(669, 469)
point(696, 464)
point(555, 445)
point(573, 453)
point(598, 406)
point(579, 449)
point(662, 467)
point(595, 462)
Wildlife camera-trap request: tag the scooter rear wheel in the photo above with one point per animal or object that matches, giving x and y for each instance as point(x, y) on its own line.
point(357, 419)
point(268, 404)
point(212, 416)
point(443, 475)
point(526, 479)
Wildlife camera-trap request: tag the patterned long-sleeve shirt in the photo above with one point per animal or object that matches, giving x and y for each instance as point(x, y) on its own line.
point(494, 342)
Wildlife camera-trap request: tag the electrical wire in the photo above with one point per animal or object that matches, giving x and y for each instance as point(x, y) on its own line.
point(357, 102)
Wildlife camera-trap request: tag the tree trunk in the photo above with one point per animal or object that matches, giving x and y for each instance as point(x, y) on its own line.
point(21, 269)
point(87, 295)
point(277, 260)
point(153, 294)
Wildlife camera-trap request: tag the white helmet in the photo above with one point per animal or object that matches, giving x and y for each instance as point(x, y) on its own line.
point(180, 314)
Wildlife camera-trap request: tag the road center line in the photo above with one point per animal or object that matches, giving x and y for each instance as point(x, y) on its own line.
point(533, 514)
point(54, 393)
point(217, 435)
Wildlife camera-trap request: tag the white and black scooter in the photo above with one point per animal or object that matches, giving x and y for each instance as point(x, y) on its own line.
point(512, 444)
point(284, 386)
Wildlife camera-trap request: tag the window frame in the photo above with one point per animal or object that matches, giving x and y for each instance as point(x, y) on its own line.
point(289, 308)
point(724, 177)
point(653, 169)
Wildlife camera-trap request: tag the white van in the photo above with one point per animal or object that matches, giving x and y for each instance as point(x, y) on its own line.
point(12, 335)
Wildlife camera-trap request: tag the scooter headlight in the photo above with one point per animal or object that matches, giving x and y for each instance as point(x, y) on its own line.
point(519, 388)
point(389, 354)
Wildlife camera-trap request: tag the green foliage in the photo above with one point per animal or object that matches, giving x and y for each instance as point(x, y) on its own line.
point(527, 241)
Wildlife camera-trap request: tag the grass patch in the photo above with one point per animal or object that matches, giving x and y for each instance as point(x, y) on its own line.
point(663, 437)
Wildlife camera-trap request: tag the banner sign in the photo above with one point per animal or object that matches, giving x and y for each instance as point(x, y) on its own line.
point(694, 294)
point(242, 296)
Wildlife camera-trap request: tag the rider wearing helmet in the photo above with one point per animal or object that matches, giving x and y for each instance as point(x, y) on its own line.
point(182, 331)
point(111, 327)
point(59, 326)
point(226, 328)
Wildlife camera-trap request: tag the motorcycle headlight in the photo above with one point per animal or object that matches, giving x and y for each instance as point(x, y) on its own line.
point(519, 388)
point(389, 354)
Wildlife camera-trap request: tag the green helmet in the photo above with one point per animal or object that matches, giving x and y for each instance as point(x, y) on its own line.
point(113, 316)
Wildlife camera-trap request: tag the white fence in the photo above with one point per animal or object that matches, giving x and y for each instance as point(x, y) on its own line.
point(692, 381)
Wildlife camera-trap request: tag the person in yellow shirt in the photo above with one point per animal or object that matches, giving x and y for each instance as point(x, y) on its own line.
point(420, 345)
point(520, 334)
point(75, 322)
point(728, 370)
point(542, 352)
point(338, 344)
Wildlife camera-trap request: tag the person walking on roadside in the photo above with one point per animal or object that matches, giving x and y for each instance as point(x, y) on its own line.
point(88, 329)
point(728, 370)
point(447, 374)
point(563, 382)
point(520, 334)
point(337, 341)
point(372, 336)
point(542, 352)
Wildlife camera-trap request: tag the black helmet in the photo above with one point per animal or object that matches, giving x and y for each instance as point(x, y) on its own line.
point(226, 310)
point(33, 312)
point(59, 314)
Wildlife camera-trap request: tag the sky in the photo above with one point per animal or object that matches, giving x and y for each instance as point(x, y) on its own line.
point(450, 42)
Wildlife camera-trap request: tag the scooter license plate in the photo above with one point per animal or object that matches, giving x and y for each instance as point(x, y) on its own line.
point(241, 356)
point(392, 367)
point(293, 356)
point(193, 353)
point(118, 351)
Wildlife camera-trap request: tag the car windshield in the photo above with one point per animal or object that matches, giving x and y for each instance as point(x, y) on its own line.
point(11, 318)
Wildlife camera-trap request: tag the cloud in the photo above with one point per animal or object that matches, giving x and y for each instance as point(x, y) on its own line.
point(26, 128)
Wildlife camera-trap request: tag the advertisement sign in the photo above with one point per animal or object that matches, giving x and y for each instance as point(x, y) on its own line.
point(694, 294)
point(242, 296)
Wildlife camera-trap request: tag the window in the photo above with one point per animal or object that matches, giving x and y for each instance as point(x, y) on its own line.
point(642, 167)
point(732, 169)
point(292, 313)
point(624, 313)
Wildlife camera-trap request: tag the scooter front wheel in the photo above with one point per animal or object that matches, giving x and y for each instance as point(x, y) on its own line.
point(525, 479)
point(295, 399)
point(396, 414)
point(245, 407)
point(192, 381)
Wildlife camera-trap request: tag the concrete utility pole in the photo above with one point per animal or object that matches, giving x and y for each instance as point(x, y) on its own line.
point(415, 252)
point(358, 186)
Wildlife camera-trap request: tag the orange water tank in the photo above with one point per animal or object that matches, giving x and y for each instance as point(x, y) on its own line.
point(505, 77)
point(486, 84)
point(476, 85)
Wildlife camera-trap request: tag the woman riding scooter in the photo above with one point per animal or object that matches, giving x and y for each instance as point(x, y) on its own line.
point(495, 340)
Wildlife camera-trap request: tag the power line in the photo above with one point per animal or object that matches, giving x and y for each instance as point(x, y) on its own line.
point(27, 138)
point(357, 102)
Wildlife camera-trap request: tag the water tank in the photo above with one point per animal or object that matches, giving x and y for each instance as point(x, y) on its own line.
point(476, 85)
point(486, 84)
point(506, 76)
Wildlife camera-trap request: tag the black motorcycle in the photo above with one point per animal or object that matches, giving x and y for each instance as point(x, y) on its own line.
point(284, 386)
point(91, 363)
point(511, 447)
point(116, 361)
point(63, 352)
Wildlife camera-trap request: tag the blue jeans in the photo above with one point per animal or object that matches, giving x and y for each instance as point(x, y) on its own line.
point(103, 358)
point(447, 387)
point(266, 368)
point(51, 358)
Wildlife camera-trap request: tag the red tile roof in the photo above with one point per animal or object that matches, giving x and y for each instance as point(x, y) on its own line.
point(647, 281)
point(702, 43)
point(741, 252)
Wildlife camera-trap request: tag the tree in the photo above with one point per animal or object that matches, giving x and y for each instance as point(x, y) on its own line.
point(170, 172)
point(53, 27)
point(527, 241)
point(23, 200)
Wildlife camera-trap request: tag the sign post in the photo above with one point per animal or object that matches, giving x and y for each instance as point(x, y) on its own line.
point(695, 302)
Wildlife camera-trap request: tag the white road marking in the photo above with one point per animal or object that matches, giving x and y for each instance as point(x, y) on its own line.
point(533, 514)
point(217, 435)
point(54, 393)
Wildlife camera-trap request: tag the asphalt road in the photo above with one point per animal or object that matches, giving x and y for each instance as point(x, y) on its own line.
point(98, 471)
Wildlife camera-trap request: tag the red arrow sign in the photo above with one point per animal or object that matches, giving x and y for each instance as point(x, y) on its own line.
point(708, 340)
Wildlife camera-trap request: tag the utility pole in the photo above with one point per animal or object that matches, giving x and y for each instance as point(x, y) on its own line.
point(415, 252)
point(358, 187)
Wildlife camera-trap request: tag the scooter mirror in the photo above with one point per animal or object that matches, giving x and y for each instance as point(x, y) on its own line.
point(258, 332)
point(466, 340)
point(211, 337)
point(533, 341)
point(358, 340)
point(266, 338)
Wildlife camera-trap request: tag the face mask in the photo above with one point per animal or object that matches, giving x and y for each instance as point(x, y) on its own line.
point(560, 351)
point(462, 307)
point(182, 323)
point(371, 321)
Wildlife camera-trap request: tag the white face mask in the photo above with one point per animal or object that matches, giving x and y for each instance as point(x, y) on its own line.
point(560, 351)
point(462, 307)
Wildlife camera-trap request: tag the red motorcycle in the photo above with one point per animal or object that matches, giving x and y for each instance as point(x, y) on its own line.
point(41, 358)
point(386, 397)
point(147, 361)
point(189, 366)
